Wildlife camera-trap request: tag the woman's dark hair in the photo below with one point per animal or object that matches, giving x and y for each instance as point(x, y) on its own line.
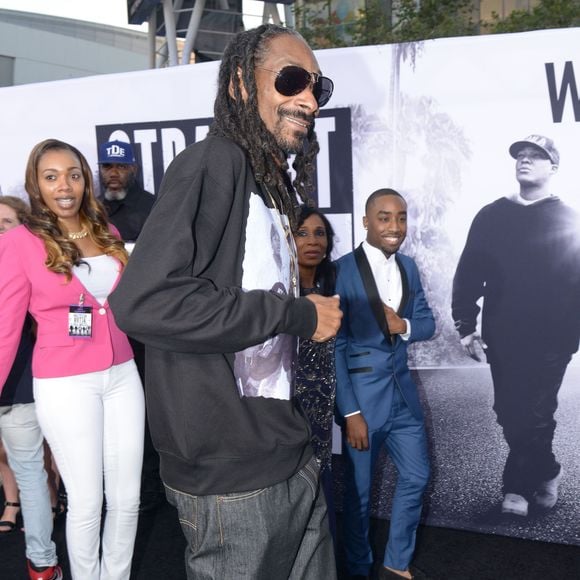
point(325, 276)
point(19, 206)
point(238, 119)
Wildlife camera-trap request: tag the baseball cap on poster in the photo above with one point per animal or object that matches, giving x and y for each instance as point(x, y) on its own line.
point(545, 144)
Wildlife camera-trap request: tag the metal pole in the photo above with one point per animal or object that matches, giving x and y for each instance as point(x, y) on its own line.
point(289, 16)
point(270, 9)
point(192, 30)
point(152, 38)
point(170, 34)
point(162, 56)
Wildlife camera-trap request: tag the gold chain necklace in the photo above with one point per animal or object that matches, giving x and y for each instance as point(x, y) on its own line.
point(292, 253)
point(78, 235)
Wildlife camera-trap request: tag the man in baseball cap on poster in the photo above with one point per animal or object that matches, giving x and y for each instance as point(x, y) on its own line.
point(522, 256)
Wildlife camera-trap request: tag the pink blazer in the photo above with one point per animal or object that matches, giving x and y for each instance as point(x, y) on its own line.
point(27, 285)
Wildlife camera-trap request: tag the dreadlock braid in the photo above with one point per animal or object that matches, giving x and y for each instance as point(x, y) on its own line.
point(239, 120)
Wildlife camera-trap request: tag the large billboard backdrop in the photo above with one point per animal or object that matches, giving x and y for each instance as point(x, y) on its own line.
point(433, 120)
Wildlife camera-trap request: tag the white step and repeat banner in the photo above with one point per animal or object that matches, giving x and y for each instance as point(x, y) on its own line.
point(433, 120)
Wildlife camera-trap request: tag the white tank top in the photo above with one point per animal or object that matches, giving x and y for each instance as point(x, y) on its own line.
point(98, 275)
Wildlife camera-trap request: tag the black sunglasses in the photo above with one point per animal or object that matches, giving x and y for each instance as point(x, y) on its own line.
point(292, 80)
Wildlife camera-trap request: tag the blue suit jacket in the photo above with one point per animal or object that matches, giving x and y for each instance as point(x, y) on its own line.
point(369, 361)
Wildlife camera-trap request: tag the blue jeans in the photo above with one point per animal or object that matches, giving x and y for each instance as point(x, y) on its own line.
point(22, 440)
point(280, 532)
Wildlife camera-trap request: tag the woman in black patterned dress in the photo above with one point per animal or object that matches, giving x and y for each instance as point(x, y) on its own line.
point(315, 376)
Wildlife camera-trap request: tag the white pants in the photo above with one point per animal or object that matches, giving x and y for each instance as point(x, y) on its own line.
point(94, 425)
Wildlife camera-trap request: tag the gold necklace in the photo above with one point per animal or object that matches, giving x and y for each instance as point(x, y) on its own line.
point(78, 235)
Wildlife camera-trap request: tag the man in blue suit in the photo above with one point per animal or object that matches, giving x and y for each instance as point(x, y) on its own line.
point(384, 310)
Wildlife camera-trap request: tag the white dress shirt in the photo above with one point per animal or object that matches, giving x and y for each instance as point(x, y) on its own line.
point(388, 279)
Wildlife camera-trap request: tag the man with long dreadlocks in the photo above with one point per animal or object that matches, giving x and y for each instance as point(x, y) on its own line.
point(212, 291)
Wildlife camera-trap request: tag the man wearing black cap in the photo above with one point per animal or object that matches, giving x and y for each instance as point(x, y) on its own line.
point(522, 256)
point(128, 206)
point(127, 203)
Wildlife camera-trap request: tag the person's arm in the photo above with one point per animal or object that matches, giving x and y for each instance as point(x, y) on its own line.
point(347, 406)
point(164, 298)
point(469, 280)
point(346, 401)
point(14, 300)
point(422, 322)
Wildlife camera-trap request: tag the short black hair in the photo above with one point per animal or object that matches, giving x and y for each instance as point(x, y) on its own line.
point(381, 193)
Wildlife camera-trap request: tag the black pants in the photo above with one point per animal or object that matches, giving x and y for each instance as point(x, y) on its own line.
point(526, 398)
point(150, 480)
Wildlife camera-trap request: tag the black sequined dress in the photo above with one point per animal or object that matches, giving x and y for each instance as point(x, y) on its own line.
point(316, 391)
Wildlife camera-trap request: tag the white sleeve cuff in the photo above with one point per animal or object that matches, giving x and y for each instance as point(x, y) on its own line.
point(407, 334)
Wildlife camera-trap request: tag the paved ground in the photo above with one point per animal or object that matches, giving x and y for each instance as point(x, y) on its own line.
point(468, 455)
point(464, 494)
point(442, 553)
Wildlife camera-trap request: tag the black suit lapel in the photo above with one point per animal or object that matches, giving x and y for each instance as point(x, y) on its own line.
point(405, 286)
point(370, 286)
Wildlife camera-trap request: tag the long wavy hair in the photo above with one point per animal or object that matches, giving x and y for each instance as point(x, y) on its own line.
point(62, 253)
point(325, 275)
point(19, 206)
point(238, 119)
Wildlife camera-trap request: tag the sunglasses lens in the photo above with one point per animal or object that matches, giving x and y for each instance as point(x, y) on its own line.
point(292, 80)
point(323, 90)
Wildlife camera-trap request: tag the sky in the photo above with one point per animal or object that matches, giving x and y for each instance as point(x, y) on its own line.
point(112, 12)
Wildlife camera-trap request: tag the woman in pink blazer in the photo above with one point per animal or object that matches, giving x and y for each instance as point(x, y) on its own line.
point(61, 268)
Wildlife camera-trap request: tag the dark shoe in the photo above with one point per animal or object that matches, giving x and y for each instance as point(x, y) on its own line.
point(59, 509)
point(44, 572)
point(11, 525)
point(416, 574)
